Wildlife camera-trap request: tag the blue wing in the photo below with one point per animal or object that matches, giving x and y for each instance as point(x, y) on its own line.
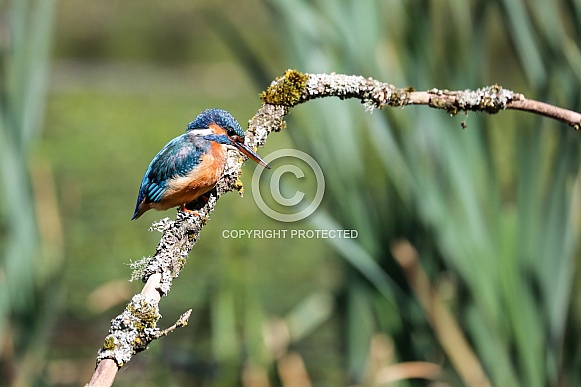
point(177, 158)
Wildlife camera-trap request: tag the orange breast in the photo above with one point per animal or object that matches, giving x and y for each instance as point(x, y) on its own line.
point(199, 181)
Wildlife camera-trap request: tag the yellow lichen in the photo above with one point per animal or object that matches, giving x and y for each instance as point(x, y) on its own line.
point(286, 90)
point(146, 316)
point(444, 104)
point(399, 97)
point(109, 343)
point(238, 186)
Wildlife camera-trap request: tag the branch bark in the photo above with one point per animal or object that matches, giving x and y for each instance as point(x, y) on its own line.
point(133, 330)
point(294, 88)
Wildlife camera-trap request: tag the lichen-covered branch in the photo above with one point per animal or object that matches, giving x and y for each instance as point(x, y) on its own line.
point(294, 88)
point(134, 329)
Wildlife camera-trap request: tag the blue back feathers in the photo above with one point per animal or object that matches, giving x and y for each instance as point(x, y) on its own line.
point(177, 158)
point(182, 154)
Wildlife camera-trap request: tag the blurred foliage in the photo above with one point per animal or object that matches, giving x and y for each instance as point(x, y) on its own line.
point(492, 210)
point(30, 239)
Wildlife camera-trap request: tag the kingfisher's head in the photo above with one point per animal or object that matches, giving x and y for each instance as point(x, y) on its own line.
point(217, 117)
point(220, 126)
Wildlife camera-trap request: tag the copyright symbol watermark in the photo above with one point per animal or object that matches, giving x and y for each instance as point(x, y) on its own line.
point(288, 208)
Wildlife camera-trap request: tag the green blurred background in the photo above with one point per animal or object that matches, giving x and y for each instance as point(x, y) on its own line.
point(90, 91)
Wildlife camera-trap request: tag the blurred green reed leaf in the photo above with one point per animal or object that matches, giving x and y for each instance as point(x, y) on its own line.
point(361, 325)
point(523, 34)
point(352, 251)
point(224, 325)
point(24, 55)
point(309, 314)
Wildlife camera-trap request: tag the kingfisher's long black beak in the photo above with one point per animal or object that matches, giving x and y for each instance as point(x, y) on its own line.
point(242, 147)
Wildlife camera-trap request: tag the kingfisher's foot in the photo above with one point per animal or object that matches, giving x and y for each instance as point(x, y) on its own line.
point(198, 203)
point(188, 211)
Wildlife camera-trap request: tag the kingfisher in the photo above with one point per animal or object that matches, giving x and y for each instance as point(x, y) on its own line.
point(190, 165)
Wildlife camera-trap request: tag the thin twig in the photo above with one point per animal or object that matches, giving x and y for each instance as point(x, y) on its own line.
point(182, 322)
point(134, 329)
